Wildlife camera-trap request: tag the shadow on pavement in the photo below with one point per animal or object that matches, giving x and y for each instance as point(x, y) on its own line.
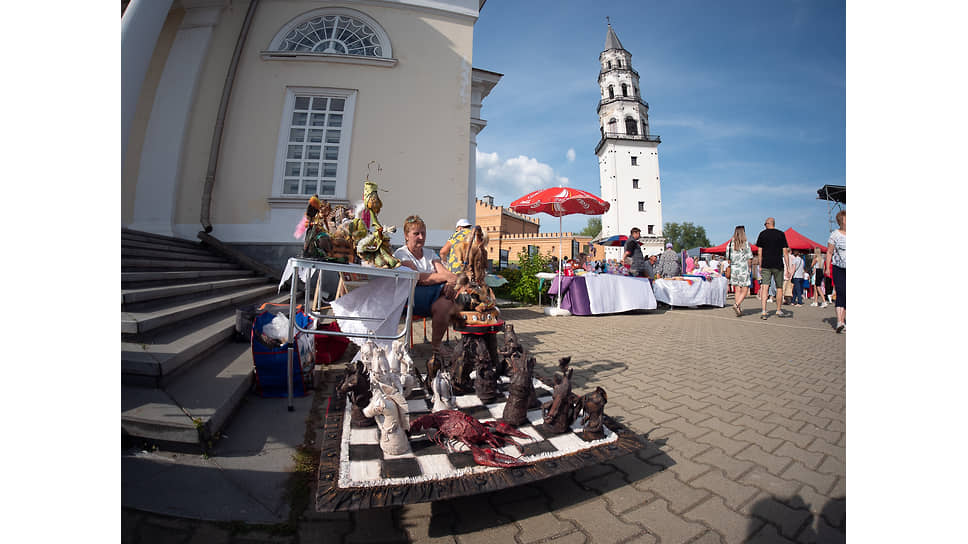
point(556, 494)
point(792, 518)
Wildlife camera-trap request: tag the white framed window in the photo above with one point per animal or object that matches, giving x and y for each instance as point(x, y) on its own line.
point(332, 34)
point(635, 161)
point(635, 184)
point(314, 143)
point(641, 206)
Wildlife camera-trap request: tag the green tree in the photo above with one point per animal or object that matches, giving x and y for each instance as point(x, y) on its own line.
point(593, 227)
point(525, 289)
point(685, 235)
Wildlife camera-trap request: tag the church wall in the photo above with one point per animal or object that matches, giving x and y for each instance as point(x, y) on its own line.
point(411, 118)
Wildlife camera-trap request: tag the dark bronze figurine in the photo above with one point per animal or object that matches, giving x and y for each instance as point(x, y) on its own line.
point(560, 412)
point(593, 408)
point(356, 385)
point(521, 393)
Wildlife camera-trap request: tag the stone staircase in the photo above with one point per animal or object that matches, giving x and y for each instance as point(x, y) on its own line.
point(182, 371)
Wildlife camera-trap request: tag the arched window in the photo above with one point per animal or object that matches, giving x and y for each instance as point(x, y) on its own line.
point(611, 91)
point(333, 31)
point(612, 125)
point(619, 63)
point(631, 127)
point(608, 64)
point(625, 90)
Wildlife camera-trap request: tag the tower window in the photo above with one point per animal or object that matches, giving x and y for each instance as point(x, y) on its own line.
point(625, 90)
point(631, 127)
point(611, 91)
point(611, 125)
point(619, 63)
point(635, 161)
point(651, 227)
point(608, 64)
point(641, 206)
point(635, 184)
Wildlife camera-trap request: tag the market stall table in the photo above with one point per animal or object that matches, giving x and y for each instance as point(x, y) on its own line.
point(592, 294)
point(691, 291)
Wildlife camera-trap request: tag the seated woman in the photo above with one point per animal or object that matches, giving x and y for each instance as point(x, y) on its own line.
point(435, 293)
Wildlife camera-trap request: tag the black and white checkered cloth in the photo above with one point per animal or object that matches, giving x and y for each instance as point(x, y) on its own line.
point(363, 463)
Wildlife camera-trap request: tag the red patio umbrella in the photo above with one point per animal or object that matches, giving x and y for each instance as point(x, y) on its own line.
point(559, 201)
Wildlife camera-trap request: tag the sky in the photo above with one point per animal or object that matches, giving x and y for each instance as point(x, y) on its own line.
point(748, 97)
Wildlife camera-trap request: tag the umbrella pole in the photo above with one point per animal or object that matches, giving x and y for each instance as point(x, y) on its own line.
point(560, 277)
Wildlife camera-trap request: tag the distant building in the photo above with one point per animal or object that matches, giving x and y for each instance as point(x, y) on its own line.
point(235, 112)
point(513, 233)
point(628, 153)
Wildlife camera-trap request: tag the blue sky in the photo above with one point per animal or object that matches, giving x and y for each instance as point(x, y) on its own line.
point(749, 98)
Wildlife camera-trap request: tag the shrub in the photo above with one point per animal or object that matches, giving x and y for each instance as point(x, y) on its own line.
point(525, 289)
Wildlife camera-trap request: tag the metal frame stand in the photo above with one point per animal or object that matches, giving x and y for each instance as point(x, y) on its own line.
point(296, 264)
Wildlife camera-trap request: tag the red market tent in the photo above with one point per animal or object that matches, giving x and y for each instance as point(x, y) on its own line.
point(721, 248)
point(798, 241)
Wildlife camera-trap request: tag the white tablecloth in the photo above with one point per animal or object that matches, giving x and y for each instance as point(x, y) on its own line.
point(609, 293)
point(382, 298)
point(694, 292)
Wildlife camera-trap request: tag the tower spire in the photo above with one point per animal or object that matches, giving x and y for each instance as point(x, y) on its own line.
point(611, 40)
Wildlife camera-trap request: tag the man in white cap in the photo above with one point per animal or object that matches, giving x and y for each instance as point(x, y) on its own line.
point(450, 258)
point(668, 262)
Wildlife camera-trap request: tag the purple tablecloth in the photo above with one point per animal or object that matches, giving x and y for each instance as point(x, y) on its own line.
point(574, 294)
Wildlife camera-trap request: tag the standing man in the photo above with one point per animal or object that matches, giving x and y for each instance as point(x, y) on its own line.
point(451, 259)
point(639, 267)
point(669, 262)
point(774, 254)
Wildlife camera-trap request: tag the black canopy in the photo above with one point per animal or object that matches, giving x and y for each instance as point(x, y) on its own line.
point(837, 193)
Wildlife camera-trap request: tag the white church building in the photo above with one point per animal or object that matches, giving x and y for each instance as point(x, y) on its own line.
point(628, 153)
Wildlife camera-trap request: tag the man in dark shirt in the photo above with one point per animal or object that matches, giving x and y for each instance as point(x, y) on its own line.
point(774, 254)
point(639, 266)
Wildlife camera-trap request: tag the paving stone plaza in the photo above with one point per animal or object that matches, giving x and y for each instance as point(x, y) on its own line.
point(745, 421)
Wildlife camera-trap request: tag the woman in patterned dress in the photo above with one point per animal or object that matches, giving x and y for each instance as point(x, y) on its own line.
point(837, 265)
point(740, 256)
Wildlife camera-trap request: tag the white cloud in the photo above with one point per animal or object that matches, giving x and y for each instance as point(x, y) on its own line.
point(509, 179)
point(571, 154)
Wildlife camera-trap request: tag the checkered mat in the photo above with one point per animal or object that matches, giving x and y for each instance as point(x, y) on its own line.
point(363, 463)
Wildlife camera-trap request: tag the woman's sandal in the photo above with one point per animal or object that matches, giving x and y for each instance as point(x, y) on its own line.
point(739, 313)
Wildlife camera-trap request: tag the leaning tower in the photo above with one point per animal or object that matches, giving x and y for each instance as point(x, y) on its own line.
point(628, 153)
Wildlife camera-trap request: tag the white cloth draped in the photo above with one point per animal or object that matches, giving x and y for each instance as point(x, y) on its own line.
point(383, 298)
point(609, 293)
point(695, 292)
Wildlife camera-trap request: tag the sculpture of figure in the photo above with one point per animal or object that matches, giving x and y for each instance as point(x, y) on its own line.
point(485, 380)
point(593, 408)
point(464, 364)
point(443, 392)
point(521, 391)
point(560, 412)
point(356, 386)
point(389, 409)
point(511, 346)
point(374, 246)
point(474, 253)
point(401, 364)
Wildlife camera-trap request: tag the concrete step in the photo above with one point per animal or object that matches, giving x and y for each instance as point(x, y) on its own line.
point(128, 235)
point(132, 264)
point(138, 244)
point(195, 406)
point(147, 316)
point(155, 358)
point(173, 254)
point(129, 296)
point(138, 278)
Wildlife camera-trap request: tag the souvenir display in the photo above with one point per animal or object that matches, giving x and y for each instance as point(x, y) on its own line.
point(323, 239)
point(373, 246)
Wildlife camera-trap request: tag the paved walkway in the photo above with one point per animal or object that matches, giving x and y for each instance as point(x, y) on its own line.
point(746, 420)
